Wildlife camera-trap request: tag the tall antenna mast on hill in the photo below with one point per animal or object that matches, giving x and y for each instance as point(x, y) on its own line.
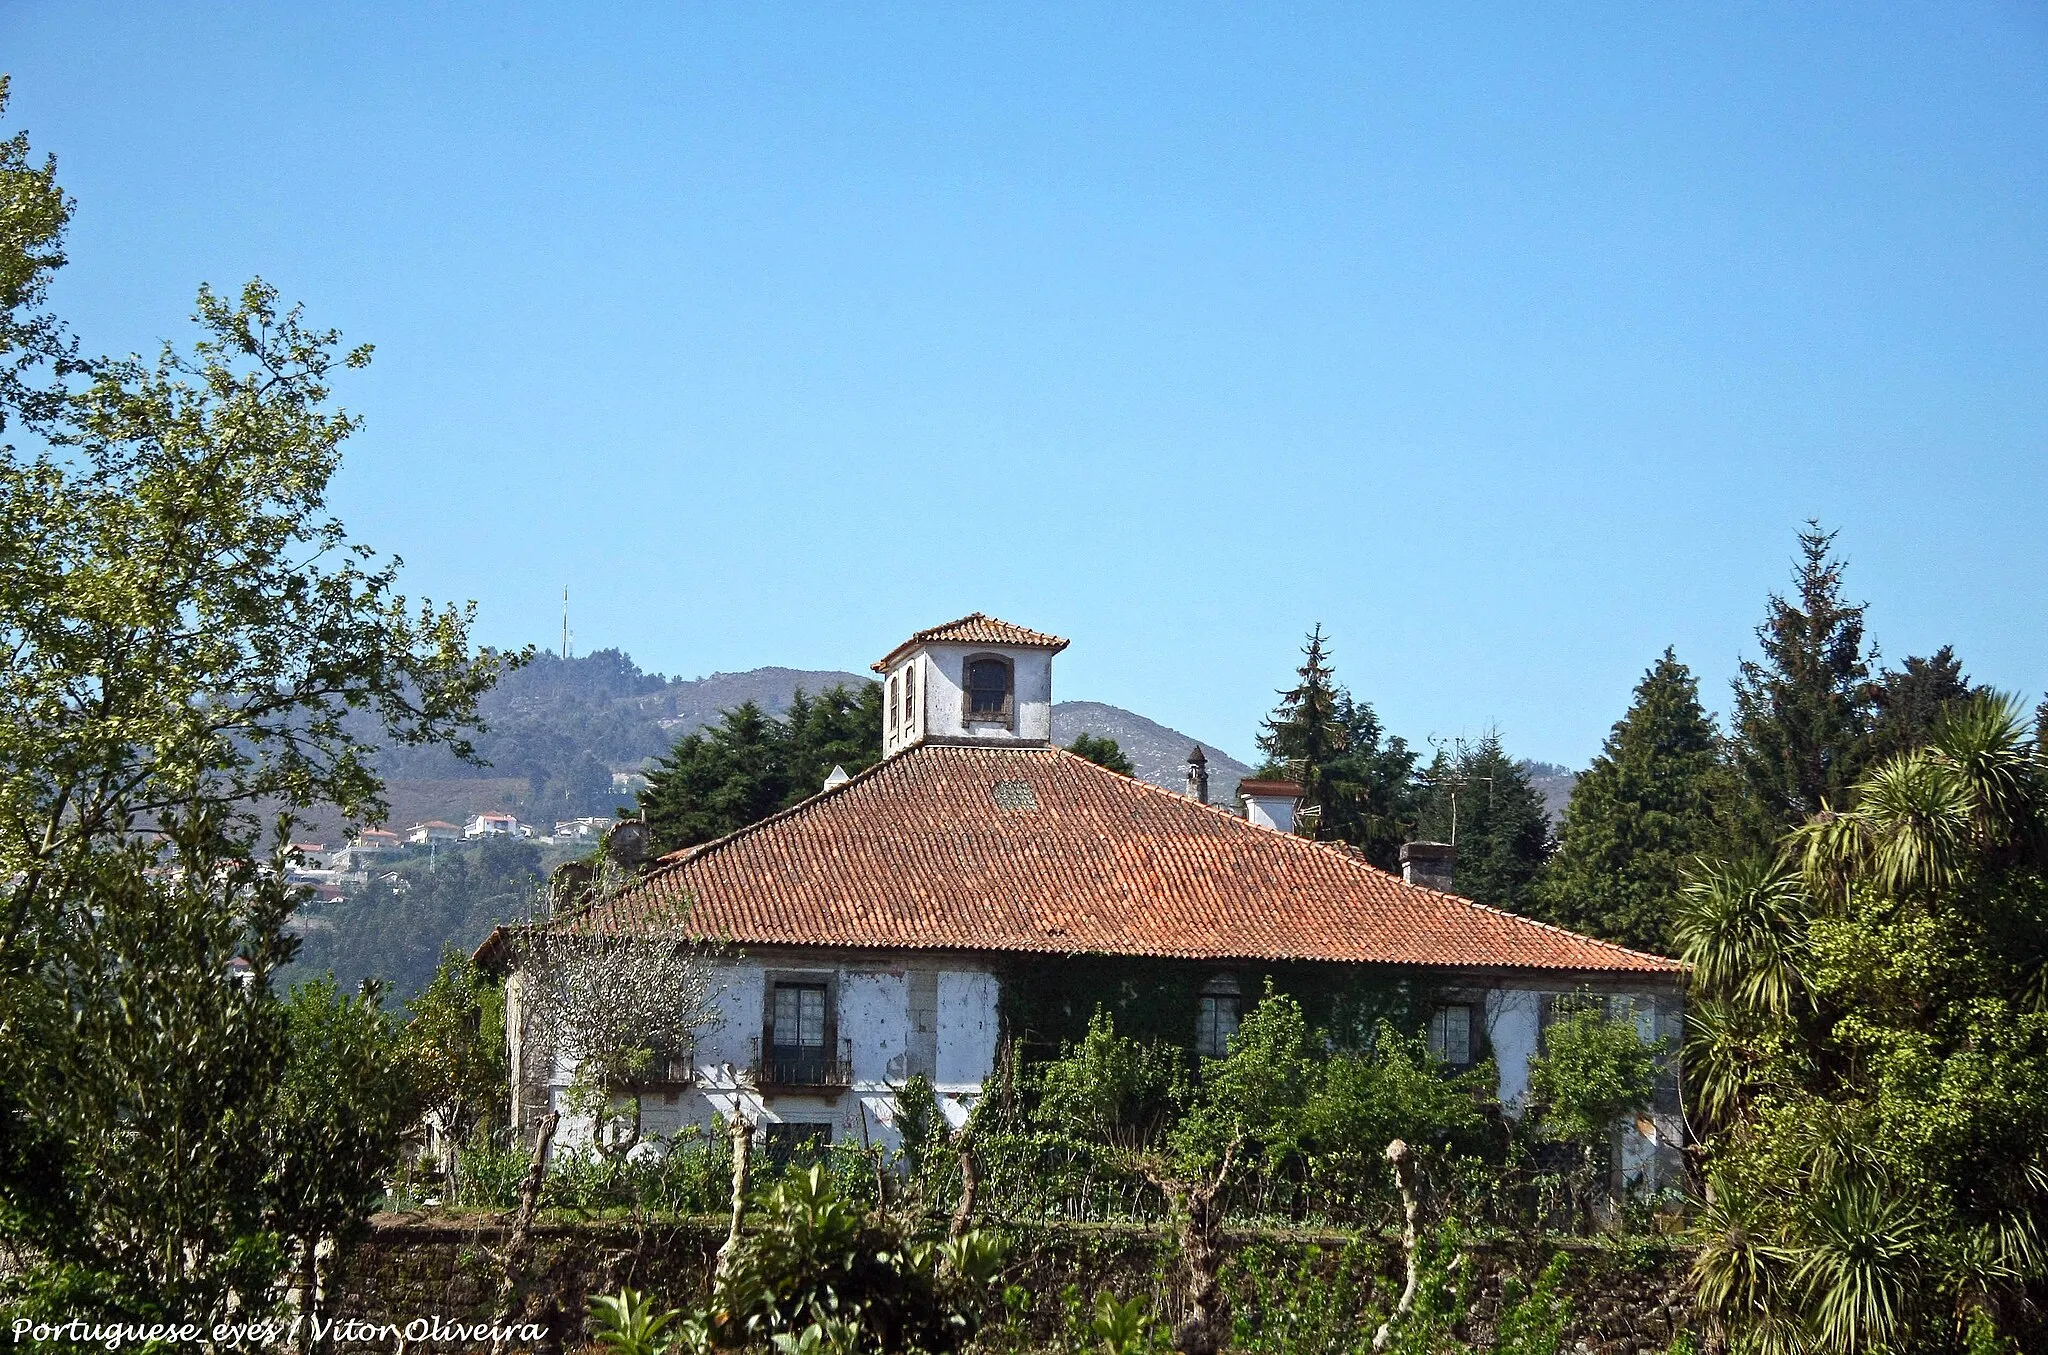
point(565, 621)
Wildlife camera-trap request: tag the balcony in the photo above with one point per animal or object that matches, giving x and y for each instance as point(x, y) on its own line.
point(667, 1075)
point(789, 1069)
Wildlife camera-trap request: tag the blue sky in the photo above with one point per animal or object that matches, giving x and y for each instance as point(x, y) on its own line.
point(1509, 347)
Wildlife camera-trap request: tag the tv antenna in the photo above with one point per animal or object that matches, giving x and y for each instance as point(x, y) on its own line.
point(565, 621)
point(1455, 780)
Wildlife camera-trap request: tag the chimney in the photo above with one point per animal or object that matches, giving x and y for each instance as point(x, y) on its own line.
point(1198, 776)
point(1429, 864)
point(1270, 804)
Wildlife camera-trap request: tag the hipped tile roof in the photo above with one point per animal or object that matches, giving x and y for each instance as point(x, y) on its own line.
point(924, 851)
point(975, 628)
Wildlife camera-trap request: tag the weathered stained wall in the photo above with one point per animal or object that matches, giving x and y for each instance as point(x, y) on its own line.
point(941, 704)
point(890, 1018)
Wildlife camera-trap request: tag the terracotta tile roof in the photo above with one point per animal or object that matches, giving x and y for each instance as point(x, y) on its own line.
point(974, 628)
point(996, 849)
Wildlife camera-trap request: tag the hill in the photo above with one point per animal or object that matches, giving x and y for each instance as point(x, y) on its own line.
point(1554, 784)
point(567, 737)
point(1158, 753)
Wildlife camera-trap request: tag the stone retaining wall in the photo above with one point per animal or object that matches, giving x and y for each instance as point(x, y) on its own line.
point(1627, 1299)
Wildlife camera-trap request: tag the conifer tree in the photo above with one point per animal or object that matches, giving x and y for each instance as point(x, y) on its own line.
point(1103, 752)
point(1909, 702)
point(1302, 734)
point(1358, 778)
point(1802, 716)
point(719, 779)
point(1481, 799)
point(1370, 797)
point(1652, 801)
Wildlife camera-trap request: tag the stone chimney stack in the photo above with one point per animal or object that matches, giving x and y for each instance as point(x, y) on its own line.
point(1429, 864)
point(1198, 776)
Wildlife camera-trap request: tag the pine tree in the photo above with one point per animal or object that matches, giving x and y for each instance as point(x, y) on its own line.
point(1910, 700)
point(1802, 716)
point(1370, 798)
point(1358, 778)
point(719, 779)
point(1653, 800)
point(1481, 799)
point(1303, 734)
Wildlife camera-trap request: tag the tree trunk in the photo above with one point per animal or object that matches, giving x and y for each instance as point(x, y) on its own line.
point(522, 1224)
point(742, 1131)
point(1200, 1219)
point(970, 1188)
point(1411, 1209)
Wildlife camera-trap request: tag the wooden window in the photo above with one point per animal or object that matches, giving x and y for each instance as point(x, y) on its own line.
point(990, 690)
point(799, 1053)
point(1217, 1024)
point(889, 703)
point(1450, 1034)
point(909, 695)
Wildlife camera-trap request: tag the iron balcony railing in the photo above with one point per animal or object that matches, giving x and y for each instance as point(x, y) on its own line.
point(807, 1066)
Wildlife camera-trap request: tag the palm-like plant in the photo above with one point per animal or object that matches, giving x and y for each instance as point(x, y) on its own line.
point(1857, 1266)
point(1866, 1041)
point(1740, 926)
point(631, 1323)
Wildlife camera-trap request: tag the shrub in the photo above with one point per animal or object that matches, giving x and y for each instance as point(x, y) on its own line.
point(817, 1275)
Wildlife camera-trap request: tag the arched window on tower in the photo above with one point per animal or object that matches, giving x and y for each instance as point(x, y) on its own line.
point(990, 695)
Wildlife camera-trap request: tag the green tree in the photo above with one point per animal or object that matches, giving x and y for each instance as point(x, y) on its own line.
point(36, 354)
point(840, 727)
point(1103, 752)
point(454, 1050)
point(191, 638)
point(1910, 701)
point(155, 1061)
point(1802, 715)
point(343, 1101)
point(750, 764)
point(1371, 799)
point(1256, 1093)
point(1872, 1023)
point(1481, 799)
point(1358, 780)
point(1111, 1088)
point(1653, 800)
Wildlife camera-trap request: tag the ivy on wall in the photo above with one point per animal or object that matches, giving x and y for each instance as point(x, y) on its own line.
point(1047, 1002)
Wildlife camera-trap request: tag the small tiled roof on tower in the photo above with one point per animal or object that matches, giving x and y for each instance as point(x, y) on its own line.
point(1036, 850)
point(975, 628)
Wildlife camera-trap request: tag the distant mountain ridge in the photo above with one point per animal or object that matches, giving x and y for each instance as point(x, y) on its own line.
point(1158, 753)
point(564, 736)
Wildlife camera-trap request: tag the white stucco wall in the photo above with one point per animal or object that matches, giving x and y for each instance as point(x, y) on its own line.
point(967, 1030)
point(873, 1017)
point(1271, 811)
point(1514, 1027)
point(941, 680)
point(874, 1012)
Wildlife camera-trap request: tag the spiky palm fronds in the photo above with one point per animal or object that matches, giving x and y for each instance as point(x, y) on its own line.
point(1923, 820)
point(1720, 1063)
point(1987, 742)
point(1740, 1274)
point(1739, 927)
point(1856, 1249)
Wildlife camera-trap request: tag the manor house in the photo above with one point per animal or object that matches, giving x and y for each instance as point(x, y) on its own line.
point(980, 886)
